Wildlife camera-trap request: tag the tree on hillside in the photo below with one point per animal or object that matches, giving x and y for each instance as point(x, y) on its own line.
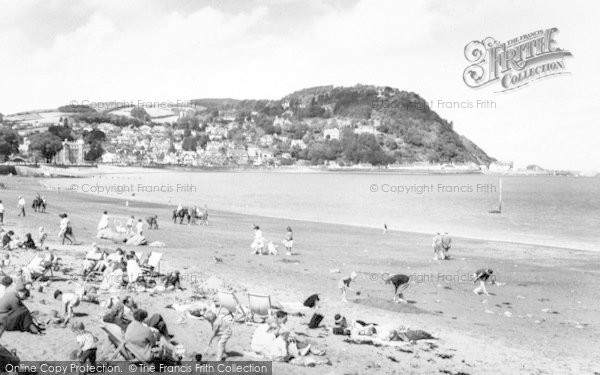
point(189, 143)
point(45, 144)
point(62, 132)
point(140, 114)
point(94, 136)
point(96, 151)
point(9, 142)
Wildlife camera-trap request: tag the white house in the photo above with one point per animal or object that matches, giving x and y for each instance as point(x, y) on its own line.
point(298, 143)
point(333, 133)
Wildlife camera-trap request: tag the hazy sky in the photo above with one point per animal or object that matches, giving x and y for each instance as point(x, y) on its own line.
point(54, 52)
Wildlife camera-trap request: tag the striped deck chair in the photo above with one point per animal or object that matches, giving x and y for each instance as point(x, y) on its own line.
point(260, 305)
point(230, 302)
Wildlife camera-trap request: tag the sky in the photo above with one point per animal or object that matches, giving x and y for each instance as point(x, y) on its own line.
point(58, 52)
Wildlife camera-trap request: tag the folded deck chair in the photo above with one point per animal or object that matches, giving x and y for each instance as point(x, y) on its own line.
point(117, 339)
point(152, 266)
point(230, 302)
point(260, 305)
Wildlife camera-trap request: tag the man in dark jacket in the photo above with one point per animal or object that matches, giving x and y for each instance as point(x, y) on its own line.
point(14, 316)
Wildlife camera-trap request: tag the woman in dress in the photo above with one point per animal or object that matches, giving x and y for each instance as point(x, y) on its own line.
point(289, 241)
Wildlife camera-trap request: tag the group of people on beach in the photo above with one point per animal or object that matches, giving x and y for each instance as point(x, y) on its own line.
point(260, 246)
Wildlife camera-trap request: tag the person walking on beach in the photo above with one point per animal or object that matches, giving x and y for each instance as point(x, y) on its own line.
point(401, 283)
point(21, 206)
point(385, 228)
point(289, 241)
point(139, 227)
point(446, 245)
point(1, 213)
point(42, 235)
point(258, 244)
point(344, 285)
point(102, 224)
point(482, 275)
point(437, 246)
point(65, 232)
point(129, 225)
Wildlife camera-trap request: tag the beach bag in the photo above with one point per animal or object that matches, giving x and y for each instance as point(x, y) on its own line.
point(315, 321)
point(311, 301)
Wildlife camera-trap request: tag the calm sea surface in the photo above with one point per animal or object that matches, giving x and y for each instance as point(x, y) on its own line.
point(556, 211)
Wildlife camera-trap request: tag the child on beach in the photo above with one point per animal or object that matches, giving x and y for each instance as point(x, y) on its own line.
point(1, 213)
point(289, 241)
point(258, 244)
point(42, 235)
point(344, 285)
point(87, 344)
point(221, 328)
point(482, 275)
point(69, 301)
point(385, 228)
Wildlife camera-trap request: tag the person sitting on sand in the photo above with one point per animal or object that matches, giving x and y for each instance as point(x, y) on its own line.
point(28, 243)
point(289, 240)
point(258, 244)
point(14, 316)
point(87, 343)
point(340, 325)
point(274, 341)
point(482, 275)
point(222, 329)
point(42, 235)
point(116, 313)
point(400, 282)
point(173, 281)
point(141, 336)
point(69, 300)
point(344, 285)
point(8, 241)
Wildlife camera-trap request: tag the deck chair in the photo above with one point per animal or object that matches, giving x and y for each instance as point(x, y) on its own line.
point(39, 266)
point(230, 302)
point(116, 338)
point(153, 265)
point(260, 305)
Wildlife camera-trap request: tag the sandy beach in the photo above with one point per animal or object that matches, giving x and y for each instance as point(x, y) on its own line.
point(542, 317)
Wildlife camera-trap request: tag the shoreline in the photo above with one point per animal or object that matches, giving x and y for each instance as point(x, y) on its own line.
point(497, 239)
